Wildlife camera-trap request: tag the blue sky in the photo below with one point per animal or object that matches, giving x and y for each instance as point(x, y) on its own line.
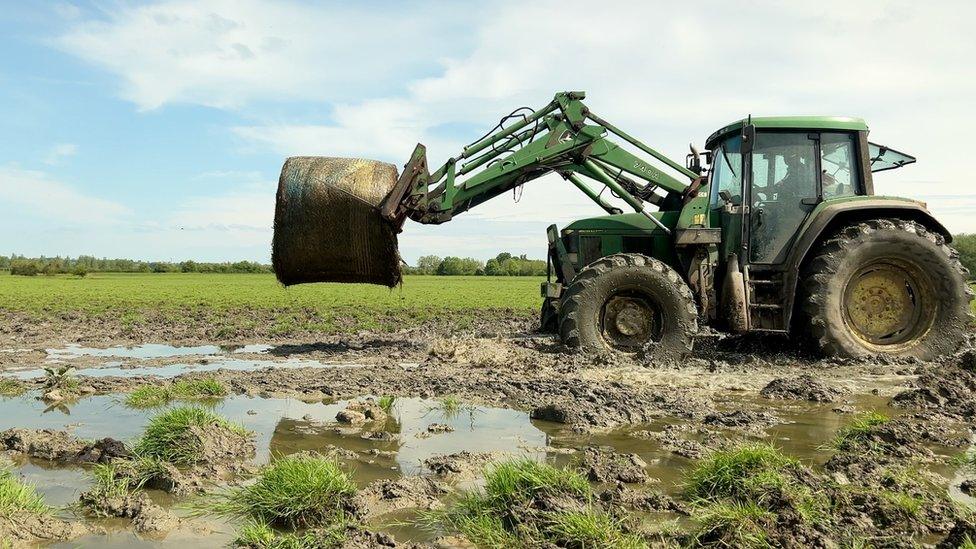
point(156, 130)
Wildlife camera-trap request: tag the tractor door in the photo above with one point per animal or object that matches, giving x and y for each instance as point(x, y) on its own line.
point(725, 198)
point(784, 190)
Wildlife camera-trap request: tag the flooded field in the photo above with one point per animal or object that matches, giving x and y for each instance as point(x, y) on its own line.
point(417, 427)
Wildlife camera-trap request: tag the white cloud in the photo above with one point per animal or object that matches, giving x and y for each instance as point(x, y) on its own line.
point(226, 53)
point(59, 152)
point(677, 79)
point(36, 193)
point(663, 72)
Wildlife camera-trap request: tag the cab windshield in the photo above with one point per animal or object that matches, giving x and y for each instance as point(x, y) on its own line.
point(727, 171)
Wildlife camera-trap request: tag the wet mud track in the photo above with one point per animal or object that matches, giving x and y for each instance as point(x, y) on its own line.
point(634, 428)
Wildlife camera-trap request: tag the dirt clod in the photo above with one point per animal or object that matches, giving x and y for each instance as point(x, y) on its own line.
point(61, 446)
point(605, 465)
point(147, 517)
point(26, 529)
point(803, 387)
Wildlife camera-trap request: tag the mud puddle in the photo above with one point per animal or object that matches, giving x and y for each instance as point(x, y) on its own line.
point(392, 449)
point(153, 350)
point(118, 369)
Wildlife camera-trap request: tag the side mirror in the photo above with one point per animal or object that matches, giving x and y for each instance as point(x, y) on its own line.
point(725, 195)
point(693, 160)
point(748, 136)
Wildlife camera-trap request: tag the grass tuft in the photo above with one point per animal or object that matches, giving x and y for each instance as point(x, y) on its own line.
point(737, 473)
point(590, 528)
point(512, 511)
point(967, 543)
point(257, 535)
point(17, 496)
point(734, 524)
point(206, 387)
point(297, 491)
point(386, 403)
point(966, 459)
point(859, 430)
point(170, 436)
point(111, 484)
point(450, 404)
point(148, 396)
point(519, 481)
point(12, 387)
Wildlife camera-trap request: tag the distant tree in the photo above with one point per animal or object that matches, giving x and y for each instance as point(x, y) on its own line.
point(965, 244)
point(80, 271)
point(428, 264)
point(23, 267)
point(189, 266)
point(493, 267)
point(459, 266)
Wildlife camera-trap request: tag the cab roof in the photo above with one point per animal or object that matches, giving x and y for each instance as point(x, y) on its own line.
point(791, 122)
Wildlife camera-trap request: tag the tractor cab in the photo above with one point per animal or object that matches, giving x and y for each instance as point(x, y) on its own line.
point(770, 179)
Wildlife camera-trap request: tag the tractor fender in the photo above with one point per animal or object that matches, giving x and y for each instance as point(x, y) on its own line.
point(826, 218)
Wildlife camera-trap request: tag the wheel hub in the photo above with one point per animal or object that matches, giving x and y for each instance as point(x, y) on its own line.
point(629, 322)
point(883, 304)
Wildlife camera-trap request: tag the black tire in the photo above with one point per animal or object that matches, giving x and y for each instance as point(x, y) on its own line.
point(887, 287)
point(659, 319)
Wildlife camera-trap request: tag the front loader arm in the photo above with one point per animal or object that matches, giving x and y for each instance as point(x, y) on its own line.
point(555, 138)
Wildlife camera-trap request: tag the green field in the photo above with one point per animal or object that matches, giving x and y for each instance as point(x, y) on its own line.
point(235, 300)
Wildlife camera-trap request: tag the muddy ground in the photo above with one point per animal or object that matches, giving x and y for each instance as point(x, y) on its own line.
point(634, 426)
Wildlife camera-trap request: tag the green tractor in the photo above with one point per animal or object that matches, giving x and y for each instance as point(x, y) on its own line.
point(774, 228)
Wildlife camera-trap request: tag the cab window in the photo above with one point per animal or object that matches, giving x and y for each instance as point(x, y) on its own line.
point(727, 171)
point(838, 164)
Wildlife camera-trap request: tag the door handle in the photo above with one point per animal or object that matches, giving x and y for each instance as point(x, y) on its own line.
point(759, 217)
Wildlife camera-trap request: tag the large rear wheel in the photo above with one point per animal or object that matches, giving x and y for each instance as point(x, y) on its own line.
point(887, 287)
point(629, 303)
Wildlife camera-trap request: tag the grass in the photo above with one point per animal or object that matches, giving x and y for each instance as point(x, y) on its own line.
point(734, 524)
point(259, 535)
point(386, 403)
point(589, 528)
point(296, 491)
point(966, 459)
point(111, 484)
point(169, 437)
point(736, 473)
point(451, 406)
point(736, 494)
point(851, 436)
point(17, 496)
point(12, 387)
point(148, 396)
point(968, 543)
point(508, 511)
point(241, 303)
point(521, 480)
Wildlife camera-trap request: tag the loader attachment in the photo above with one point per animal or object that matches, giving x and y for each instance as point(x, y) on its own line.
point(328, 226)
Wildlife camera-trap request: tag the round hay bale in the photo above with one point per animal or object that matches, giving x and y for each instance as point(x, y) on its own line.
point(328, 226)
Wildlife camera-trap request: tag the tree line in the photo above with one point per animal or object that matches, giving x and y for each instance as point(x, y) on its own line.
point(84, 264)
point(504, 264)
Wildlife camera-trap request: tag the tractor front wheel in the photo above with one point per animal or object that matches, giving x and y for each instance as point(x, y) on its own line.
point(887, 287)
point(629, 303)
